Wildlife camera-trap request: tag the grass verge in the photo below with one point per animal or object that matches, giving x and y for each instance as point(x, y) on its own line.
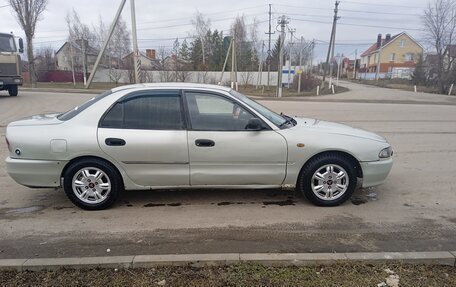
point(343, 274)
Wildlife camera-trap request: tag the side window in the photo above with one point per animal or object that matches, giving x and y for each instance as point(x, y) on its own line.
point(149, 112)
point(209, 112)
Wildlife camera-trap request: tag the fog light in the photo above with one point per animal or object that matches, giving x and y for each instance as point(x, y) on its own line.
point(18, 81)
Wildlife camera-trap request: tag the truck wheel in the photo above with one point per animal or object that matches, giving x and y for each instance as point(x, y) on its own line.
point(12, 90)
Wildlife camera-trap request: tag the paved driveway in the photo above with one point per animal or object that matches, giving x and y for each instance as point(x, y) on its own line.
point(414, 210)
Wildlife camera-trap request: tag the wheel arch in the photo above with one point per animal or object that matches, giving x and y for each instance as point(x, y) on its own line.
point(80, 158)
point(353, 161)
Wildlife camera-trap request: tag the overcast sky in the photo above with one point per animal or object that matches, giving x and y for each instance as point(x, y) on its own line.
point(160, 22)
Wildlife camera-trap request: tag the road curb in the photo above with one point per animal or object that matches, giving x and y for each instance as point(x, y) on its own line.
point(275, 259)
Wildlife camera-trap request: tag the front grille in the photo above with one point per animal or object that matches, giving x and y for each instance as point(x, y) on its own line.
point(8, 69)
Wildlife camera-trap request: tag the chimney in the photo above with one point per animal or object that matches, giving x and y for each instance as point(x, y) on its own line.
point(379, 40)
point(150, 53)
point(388, 37)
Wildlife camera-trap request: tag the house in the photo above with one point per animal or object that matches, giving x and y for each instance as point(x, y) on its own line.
point(449, 57)
point(148, 61)
point(76, 49)
point(395, 56)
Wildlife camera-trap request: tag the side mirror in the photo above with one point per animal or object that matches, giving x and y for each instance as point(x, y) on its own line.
point(21, 46)
point(254, 124)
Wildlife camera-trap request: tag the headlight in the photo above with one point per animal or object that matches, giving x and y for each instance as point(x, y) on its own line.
point(386, 152)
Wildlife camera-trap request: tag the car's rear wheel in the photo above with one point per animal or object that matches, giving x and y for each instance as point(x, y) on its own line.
point(92, 184)
point(328, 180)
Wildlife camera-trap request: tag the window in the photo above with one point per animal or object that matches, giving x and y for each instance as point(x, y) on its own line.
point(402, 43)
point(7, 43)
point(146, 112)
point(392, 57)
point(74, 112)
point(409, 57)
point(209, 112)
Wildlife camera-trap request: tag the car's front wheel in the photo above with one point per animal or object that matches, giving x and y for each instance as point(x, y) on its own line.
point(328, 180)
point(92, 184)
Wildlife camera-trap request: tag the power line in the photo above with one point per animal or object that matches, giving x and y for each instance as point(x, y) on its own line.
point(359, 25)
point(206, 14)
point(387, 5)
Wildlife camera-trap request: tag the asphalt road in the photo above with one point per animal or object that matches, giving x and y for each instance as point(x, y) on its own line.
point(413, 211)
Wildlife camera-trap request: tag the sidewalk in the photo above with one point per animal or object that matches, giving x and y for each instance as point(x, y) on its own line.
point(277, 259)
point(358, 93)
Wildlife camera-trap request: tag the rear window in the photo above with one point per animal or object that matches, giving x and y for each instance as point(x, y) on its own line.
point(146, 112)
point(74, 112)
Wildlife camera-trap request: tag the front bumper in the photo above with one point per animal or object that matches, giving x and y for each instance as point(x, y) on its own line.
point(35, 173)
point(375, 172)
point(10, 81)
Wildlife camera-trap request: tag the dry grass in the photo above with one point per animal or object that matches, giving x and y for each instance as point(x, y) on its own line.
point(264, 92)
point(240, 275)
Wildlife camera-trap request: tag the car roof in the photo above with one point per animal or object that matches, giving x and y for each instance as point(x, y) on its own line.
point(171, 86)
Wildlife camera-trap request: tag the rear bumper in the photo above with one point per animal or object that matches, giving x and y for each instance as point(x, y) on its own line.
point(375, 172)
point(10, 81)
point(35, 173)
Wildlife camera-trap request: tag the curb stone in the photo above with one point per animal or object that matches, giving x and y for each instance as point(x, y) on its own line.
point(200, 260)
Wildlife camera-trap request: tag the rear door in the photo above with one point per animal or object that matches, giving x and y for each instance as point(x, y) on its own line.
point(146, 134)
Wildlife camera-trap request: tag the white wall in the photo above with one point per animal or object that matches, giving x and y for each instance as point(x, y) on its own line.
point(210, 77)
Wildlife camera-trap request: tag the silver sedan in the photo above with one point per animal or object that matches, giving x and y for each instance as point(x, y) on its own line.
point(182, 136)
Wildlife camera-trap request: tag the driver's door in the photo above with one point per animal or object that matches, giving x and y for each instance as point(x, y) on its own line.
point(223, 153)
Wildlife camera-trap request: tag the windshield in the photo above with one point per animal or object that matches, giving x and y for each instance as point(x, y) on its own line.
point(276, 119)
point(73, 112)
point(7, 43)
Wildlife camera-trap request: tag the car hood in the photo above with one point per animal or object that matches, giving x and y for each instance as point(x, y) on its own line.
point(45, 119)
point(335, 128)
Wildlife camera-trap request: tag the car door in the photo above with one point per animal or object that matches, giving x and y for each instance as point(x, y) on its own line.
point(222, 152)
point(146, 134)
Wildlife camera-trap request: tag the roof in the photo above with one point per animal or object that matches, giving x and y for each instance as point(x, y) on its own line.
point(374, 48)
point(142, 55)
point(90, 50)
point(172, 85)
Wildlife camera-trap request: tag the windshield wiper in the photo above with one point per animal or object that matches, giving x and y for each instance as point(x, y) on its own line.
point(288, 120)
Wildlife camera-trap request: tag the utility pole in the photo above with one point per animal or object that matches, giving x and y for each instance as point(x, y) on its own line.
point(226, 60)
point(269, 46)
point(331, 45)
point(283, 21)
point(136, 58)
point(354, 67)
point(377, 74)
point(260, 68)
point(300, 66)
point(84, 65)
point(312, 54)
point(105, 44)
point(289, 56)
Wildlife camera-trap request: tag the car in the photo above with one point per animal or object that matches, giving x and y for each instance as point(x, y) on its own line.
point(190, 136)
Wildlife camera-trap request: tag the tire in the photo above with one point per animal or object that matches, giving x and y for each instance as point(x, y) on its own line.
point(92, 184)
point(317, 183)
point(13, 91)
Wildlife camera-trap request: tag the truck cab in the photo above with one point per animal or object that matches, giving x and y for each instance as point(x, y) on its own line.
point(10, 64)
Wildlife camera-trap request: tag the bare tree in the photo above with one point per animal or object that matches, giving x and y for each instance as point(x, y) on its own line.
point(202, 25)
point(81, 34)
point(27, 14)
point(44, 61)
point(166, 73)
point(440, 29)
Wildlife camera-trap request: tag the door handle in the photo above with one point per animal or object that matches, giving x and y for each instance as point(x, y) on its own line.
point(115, 142)
point(204, 143)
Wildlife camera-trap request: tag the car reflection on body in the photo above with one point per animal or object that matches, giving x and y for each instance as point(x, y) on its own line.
point(169, 135)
